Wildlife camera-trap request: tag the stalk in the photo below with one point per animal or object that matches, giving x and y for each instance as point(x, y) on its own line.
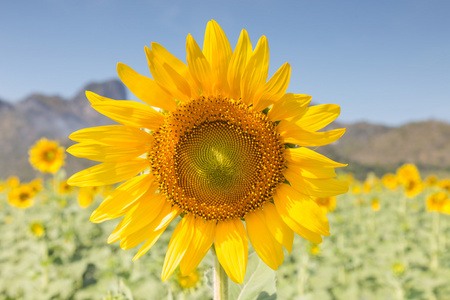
point(220, 279)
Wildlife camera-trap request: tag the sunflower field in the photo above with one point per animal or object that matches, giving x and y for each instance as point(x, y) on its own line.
point(389, 240)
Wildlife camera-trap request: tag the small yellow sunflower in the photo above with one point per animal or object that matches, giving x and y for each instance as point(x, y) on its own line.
point(431, 180)
point(65, 188)
point(439, 202)
point(21, 196)
point(188, 281)
point(328, 204)
point(221, 151)
point(408, 175)
point(390, 181)
point(12, 182)
point(375, 204)
point(37, 229)
point(46, 156)
point(86, 195)
point(445, 184)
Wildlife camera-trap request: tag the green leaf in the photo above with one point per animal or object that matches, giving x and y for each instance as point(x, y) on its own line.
point(259, 282)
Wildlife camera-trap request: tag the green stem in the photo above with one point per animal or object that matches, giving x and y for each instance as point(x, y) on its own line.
point(435, 253)
point(220, 279)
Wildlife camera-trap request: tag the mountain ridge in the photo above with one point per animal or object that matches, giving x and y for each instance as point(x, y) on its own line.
point(365, 146)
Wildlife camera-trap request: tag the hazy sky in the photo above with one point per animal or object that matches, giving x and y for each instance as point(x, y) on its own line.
point(383, 61)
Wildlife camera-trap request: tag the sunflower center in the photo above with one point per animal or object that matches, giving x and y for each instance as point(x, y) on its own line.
point(49, 156)
point(217, 158)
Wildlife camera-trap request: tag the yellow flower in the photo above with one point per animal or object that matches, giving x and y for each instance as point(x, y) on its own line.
point(375, 204)
point(367, 187)
point(37, 229)
point(438, 202)
point(217, 154)
point(314, 250)
point(12, 182)
point(431, 180)
point(21, 196)
point(390, 181)
point(46, 156)
point(356, 190)
point(408, 175)
point(65, 188)
point(328, 204)
point(189, 280)
point(36, 184)
point(398, 269)
point(445, 184)
point(86, 195)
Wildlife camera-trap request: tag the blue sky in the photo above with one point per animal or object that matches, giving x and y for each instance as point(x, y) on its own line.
point(386, 62)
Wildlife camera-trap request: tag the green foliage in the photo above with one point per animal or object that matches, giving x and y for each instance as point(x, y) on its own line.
point(385, 254)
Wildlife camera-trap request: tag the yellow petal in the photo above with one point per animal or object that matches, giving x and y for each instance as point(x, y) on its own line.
point(312, 172)
point(293, 224)
point(279, 230)
point(217, 51)
point(256, 71)
point(291, 133)
point(318, 116)
point(143, 213)
point(167, 58)
point(145, 88)
point(199, 66)
point(288, 106)
point(116, 135)
point(108, 173)
point(178, 245)
point(94, 98)
point(202, 239)
point(267, 248)
point(306, 157)
point(231, 246)
point(168, 78)
point(238, 61)
point(131, 113)
point(123, 198)
point(274, 89)
point(100, 152)
point(315, 187)
point(149, 232)
point(302, 209)
point(154, 235)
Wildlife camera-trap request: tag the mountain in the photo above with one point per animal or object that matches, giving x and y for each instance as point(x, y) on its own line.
point(365, 147)
point(36, 116)
point(368, 147)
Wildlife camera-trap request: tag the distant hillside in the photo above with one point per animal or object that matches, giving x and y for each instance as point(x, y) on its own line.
point(36, 116)
point(365, 147)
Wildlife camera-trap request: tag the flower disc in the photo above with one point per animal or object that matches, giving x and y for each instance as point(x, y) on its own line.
point(217, 158)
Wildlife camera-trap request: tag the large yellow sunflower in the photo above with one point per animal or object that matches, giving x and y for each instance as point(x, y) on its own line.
point(46, 156)
point(221, 152)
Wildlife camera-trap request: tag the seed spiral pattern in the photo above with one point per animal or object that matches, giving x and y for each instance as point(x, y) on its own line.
point(217, 158)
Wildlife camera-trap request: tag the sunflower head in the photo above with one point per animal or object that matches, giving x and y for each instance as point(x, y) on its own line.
point(21, 196)
point(46, 156)
point(227, 146)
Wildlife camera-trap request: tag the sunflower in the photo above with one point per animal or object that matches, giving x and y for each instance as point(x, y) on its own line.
point(13, 181)
point(21, 196)
point(65, 188)
point(46, 156)
point(188, 281)
point(439, 202)
point(327, 204)
point(221, 151)
point(408, 175)
point(390, 181)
